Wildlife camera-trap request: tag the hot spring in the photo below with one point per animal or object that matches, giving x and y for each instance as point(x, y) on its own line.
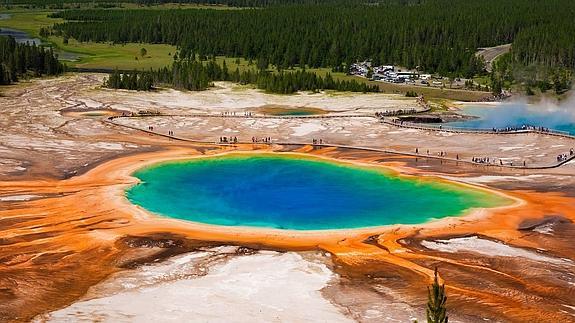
point(297, 193)
point(517, 114)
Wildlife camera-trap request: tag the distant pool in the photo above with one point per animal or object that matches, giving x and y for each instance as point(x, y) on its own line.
point(519, 114)
point(288, 192)
point(291, 111)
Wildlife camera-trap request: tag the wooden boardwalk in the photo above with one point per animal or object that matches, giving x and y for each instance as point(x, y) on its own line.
point(241, 116)
point(326, 145)
point(442, 128)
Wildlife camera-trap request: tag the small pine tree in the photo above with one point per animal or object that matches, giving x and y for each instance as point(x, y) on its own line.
point(436, 310)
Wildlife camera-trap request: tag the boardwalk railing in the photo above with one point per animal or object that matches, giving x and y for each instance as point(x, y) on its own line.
point(387, 151)
point(389, 121)
point(434, 127)
point(242, 116)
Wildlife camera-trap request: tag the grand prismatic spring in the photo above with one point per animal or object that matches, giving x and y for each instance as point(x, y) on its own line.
point(106, 216)
point(296, 193)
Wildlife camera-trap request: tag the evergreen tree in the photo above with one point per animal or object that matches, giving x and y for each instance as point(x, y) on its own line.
point(436, 310)
point(335, 33)
point(24, 60)
point(194, 75)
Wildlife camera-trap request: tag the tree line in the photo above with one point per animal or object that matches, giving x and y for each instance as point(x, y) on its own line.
point(140, 81)
point(195, 75)
point(437, 36)
point(506, 71)
point(57, 4)
point(25, 60)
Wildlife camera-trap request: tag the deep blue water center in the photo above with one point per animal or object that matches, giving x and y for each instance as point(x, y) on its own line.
point(295, 193)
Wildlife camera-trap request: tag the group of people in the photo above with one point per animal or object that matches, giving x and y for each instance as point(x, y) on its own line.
point(395, 112)
point(228, 140)
point(492, 161)
point(398, 121)
point(482, 160)
point(439, 154)
point(522, 128)
point(479, 160)
point(170, 132)
point(317, 141)
point(564, 157)
point(266, 140)
point(485, 160)
point(494, 129)
point(233, 114)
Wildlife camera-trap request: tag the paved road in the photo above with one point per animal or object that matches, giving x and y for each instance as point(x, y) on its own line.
point(491, 53)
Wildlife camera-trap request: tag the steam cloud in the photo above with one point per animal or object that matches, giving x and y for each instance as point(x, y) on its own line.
point(545, 113)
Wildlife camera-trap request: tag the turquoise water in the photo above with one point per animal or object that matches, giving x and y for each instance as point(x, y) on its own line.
point(295, 193)
point(518, 114)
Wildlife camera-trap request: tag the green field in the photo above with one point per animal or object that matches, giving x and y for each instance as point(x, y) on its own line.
point(124, 57)
point(93, 55)
point(29, 21)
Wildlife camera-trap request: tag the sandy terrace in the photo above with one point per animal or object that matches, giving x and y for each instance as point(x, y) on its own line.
point(534, 149)
point(53, 126)
point(59, 239)
point(226, 97)
point(59, 122)
point(495, 261)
